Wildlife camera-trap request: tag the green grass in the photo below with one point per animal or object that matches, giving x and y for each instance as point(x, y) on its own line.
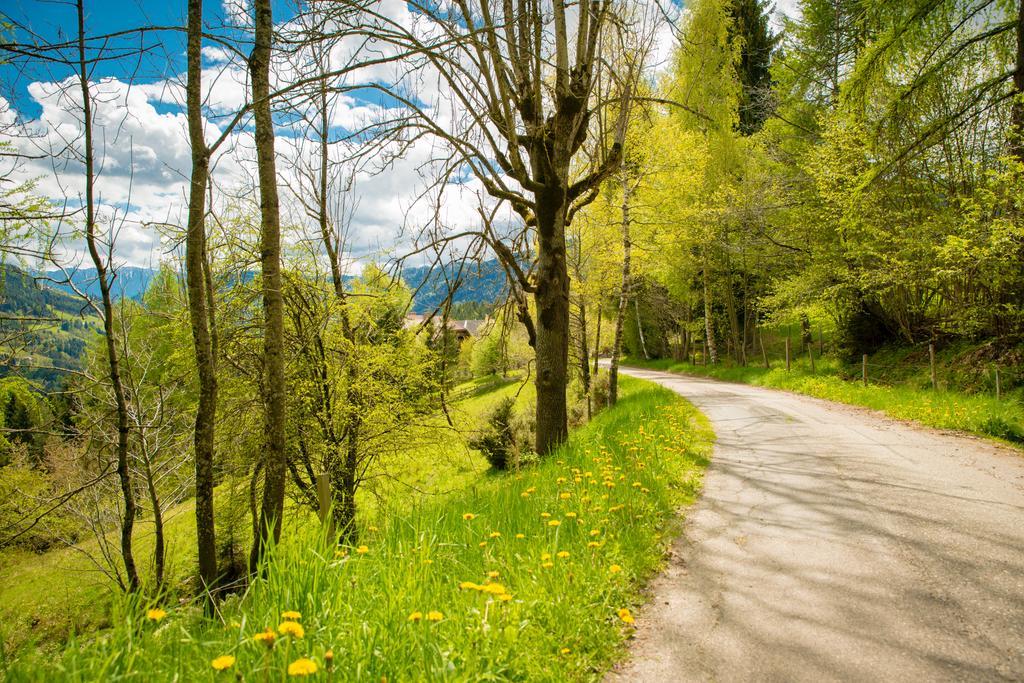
point(561, 623)
point(45, 597)
point(911, 399)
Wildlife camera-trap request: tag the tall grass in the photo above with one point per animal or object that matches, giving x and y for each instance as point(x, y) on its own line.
point(520, 576)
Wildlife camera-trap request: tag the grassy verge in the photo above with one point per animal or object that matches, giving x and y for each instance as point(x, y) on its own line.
point(45, 597)
point(945, 409)
point(524, 576)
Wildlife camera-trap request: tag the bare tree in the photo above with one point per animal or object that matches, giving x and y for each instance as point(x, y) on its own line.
point(524, 98)
point(274, 456)
point(106, 311)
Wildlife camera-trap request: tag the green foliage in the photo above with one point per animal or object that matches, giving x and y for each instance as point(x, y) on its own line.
point(25, 493)
point(24, 416)
point(750, 28)
point(504, 441)
point(561, 621)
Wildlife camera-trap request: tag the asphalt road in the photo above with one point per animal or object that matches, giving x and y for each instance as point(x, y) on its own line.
point(832, 543)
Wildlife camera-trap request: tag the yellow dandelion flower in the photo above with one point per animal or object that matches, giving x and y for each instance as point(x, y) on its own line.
point(156, 614)
point(554, 522)
point(468, 586)
point(504, 597)
point(547, 565)
point(560, 480)
point(373, 528)
point(525, 494)
point(565, 651)
point(223, 662)
point(291, 615)
point(570, 515)
point(565, 495)
point(265, 637)
point(495, 534)
point(593, 544)
point(428, 562)
point(302, 667)
point(545, 557)
point(362, 550)
point(545, 515)
point(595, 532)
point(469, 516)
point(415, 616)
point(563, 554)
point(520, 536)
point(483, 544)
point(494, 588)
point(435, 615)
point(614, 569)
point(492, 575)
point(625, 615)
point(291, 628)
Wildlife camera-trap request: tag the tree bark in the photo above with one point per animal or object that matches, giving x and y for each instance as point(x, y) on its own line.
point(710, 345)
point(1017, 110)
point(640, 328)
point(597, 337)
point(584, 352)
point(107, 310)
point(159, 546)
point(199, 307)
point(274, 455)
point(552, 329)
point(624, 291)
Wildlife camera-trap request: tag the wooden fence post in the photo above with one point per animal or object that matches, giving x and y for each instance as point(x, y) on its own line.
point(997, 383)
point(787, 354)
point(810, 354)
point(864, 369)
point(323, 494)
point(931, 362)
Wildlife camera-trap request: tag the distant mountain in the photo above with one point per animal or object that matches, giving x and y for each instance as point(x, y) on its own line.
point(46, 324)
point(482, 283)
point(130, 282)
point(43, 329)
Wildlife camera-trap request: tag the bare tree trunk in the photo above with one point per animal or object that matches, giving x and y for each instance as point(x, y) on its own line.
point(552, 300)
point(734, 325)
point(640, 328)
point(1017, 109)
point(200, 300)
point(344, 475)
point(597, 337)
point(274, 455)
point(620, 316)
point(584, 347)
point(123, 472)
point(584, 353)
point(711, 347)
point(159, 546)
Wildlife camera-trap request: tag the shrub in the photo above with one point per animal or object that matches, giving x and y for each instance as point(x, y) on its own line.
point(505, 441)
point(599, 392)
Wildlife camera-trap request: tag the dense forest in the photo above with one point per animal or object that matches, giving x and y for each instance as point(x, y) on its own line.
point(577, 186)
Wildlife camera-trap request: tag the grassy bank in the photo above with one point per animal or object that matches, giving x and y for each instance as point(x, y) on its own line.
point(45, 597)
point(944, 409)
point(522, 576)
